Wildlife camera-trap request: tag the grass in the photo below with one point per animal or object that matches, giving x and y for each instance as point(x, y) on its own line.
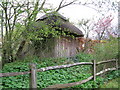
point(112, 84)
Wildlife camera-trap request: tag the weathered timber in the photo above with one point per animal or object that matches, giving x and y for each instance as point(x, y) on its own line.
point(103, 71)
point(102, 62)
point(116, 64)
point(33, 77)
point(63, 66)
point(94, 70)
point(70, 84)
point(54, 67)
point(13, 74)
point(45, 69)
point(80, 82)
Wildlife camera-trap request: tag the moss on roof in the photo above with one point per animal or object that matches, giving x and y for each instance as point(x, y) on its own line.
point(64, 24)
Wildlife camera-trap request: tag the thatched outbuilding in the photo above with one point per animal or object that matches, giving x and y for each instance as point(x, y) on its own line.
point(63, 46)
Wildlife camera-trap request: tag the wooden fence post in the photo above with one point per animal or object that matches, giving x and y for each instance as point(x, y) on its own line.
point(94, 69)
point(33, 78)
point(116, 64)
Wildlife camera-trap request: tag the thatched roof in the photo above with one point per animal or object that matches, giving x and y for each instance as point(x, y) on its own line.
point(52, 15)
point(64, 24)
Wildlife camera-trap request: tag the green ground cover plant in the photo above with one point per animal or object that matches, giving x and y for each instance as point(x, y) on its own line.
point(44, 79)
point(111, 84)
point(103, 82)
point(61, 76)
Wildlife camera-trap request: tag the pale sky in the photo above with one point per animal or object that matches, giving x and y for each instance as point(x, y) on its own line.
point(74, 12)
point(77, 12)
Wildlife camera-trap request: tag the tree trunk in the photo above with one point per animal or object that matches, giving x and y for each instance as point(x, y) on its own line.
point(20, 49)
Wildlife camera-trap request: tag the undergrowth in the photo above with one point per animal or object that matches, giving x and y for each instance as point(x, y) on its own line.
point(44, 79)
point(106, 51)
point(51, 77)
point(111, 84)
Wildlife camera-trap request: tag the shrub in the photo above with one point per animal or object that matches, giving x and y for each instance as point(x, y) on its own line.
point(108, 50)
point(84, 57)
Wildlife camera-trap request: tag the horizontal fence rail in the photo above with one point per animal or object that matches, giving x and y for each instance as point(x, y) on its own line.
point(45, 69)
point(13, 74)
point(54, 67)
point(63, 66)
point(102, 62)
point(80, 82)
point(33, 71)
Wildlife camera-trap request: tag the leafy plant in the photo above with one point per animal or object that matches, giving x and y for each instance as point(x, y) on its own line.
point(106, 51)
point(84, 57)
point(111, 84)
point(44, 79)
point(51, 77)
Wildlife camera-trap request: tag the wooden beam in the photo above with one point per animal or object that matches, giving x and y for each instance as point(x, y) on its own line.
point(116, 64)
point(106, 70)
point(80, 82)
point(102, 62)
point(33, 77)
point(70, 84)
point(53, 68)
point(63, 66)
point(94, 70)
point(13, 74)
point(45, 69)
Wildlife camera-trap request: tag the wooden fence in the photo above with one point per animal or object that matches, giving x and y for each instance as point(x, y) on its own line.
point(33, 72)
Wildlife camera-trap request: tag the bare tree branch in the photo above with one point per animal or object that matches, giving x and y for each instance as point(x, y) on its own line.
point(42, 5)
point(60, 5)
point(64, 5)
point(1, 6)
